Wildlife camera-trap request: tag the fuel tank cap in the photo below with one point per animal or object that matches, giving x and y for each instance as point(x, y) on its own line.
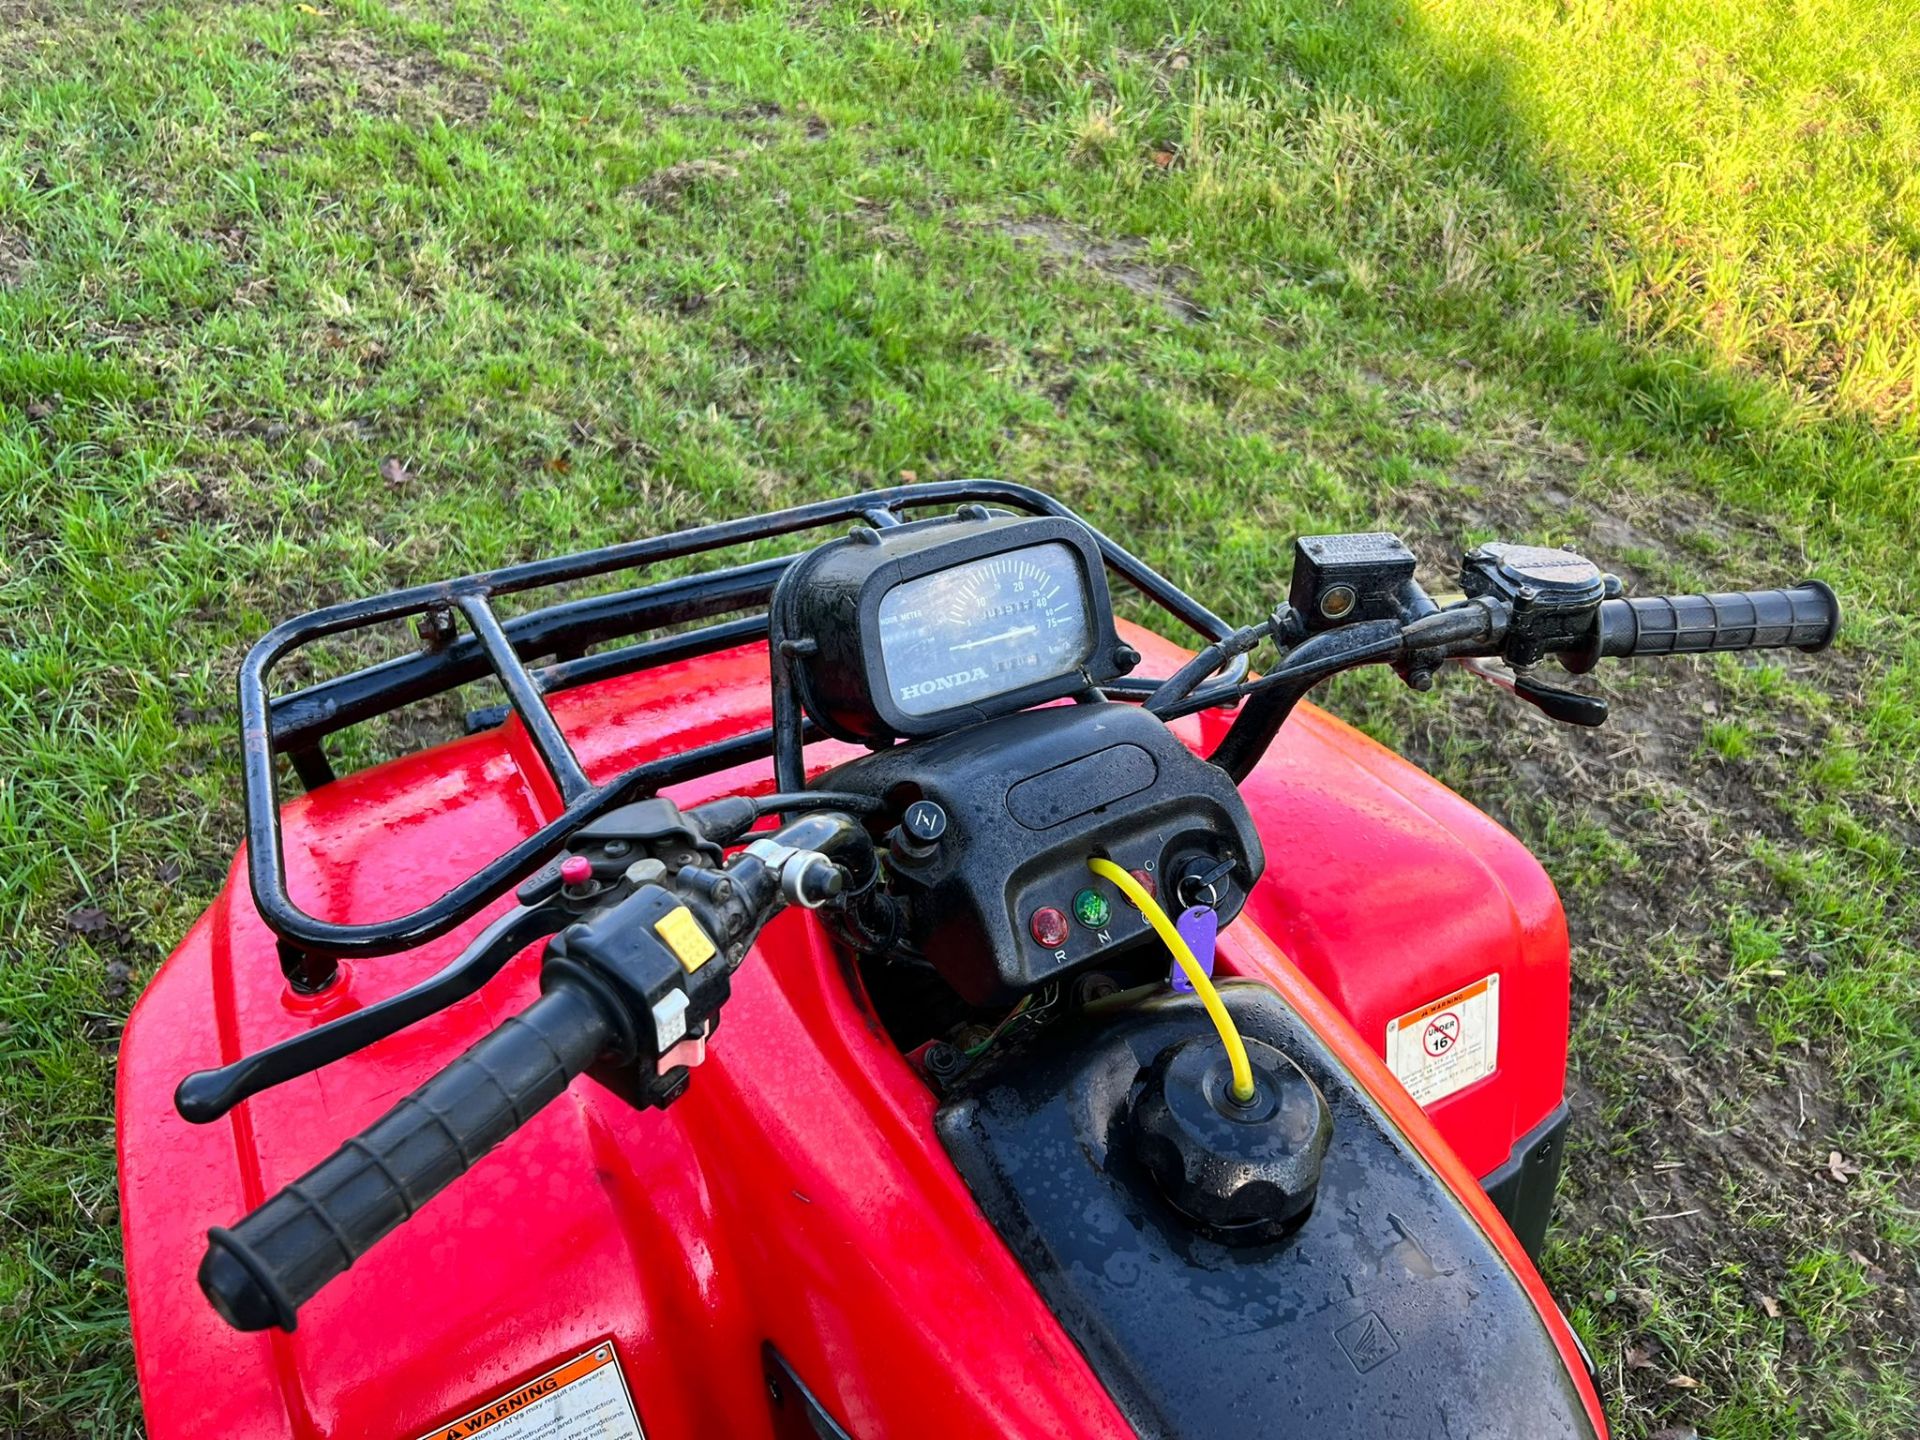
point(1243, 1174)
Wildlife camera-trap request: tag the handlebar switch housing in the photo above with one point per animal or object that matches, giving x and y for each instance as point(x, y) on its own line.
point(1553, 595)
point(1343, 579)
point(660, 977)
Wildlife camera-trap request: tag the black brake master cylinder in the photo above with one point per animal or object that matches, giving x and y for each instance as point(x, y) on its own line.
point(1341, 579)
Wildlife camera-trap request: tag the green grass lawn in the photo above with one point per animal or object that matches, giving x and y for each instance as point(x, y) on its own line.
point(1641, 276)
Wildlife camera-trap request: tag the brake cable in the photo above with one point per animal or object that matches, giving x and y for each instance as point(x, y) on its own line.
point(1242, 1089)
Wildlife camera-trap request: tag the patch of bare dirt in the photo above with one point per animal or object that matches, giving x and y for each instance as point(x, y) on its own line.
point(350, 69)
point(1688, 1121)
point(712, 103)
point(669, 186)
point(16, 260)
point(29, 25)
point(25, 24)
point(1118, 260)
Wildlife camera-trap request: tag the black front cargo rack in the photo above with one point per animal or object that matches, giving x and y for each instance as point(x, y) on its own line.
point(296, 725)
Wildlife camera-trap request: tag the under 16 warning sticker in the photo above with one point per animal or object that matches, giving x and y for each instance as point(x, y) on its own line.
point(583, 1399)
point(1448, 1043)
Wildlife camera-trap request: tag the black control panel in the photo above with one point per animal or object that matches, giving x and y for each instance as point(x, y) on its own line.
point(990, 866)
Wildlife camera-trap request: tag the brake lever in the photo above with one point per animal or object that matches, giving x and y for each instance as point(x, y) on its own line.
point(1569, 707)
point(206, 1095)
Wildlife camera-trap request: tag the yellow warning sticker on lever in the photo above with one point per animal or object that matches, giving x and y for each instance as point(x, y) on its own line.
point(684, 937)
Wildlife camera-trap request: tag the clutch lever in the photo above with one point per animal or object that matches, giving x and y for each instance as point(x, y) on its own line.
point(206, 1095)
point(1569, 707)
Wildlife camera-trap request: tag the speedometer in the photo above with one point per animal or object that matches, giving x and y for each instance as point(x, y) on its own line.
point(914, 629)
point(984, 628)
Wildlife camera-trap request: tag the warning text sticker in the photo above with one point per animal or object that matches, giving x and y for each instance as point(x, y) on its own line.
point(584, 1399)
point(1448, 1043)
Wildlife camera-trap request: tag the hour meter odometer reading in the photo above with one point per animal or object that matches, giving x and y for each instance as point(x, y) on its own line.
point(984, 628)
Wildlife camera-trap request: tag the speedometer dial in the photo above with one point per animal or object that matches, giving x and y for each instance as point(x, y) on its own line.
point(903, 632)
point(985, 628)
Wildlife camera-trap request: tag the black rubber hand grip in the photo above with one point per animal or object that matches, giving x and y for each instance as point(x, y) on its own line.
point(273, 1261)
point(1807, 617)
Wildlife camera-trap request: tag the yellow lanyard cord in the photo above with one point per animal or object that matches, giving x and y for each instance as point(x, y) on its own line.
point(1144, 902)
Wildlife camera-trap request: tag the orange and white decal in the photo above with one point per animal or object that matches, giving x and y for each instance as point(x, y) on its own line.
point(1447, 1044)
point(584, 1398)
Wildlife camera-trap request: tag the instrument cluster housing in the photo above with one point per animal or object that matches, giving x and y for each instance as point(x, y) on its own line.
point(825, 614)
point(1029, 798)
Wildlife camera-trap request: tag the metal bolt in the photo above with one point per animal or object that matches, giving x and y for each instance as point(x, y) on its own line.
point(435, 629)
point(1094, 987)
point(646, 872)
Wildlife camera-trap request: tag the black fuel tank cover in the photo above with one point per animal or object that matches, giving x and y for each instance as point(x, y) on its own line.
point(1385, 1313)
point(1244, 1174)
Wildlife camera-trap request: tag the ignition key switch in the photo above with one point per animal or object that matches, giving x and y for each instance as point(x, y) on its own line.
point(1203, 880)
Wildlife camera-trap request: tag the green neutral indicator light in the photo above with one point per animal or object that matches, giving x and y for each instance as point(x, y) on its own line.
point(1091, 909)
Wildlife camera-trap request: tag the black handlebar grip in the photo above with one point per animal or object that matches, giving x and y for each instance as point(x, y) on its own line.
point(276, 1259)
point(1807, 617)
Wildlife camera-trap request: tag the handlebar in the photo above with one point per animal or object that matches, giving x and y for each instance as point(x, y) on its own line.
point(634, 979)
point(259, 1272)
point(1806, 617)
point(631, 978)
point(1355, 602)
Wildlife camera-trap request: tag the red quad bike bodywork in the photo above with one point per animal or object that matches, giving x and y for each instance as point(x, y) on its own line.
point(798, 1195)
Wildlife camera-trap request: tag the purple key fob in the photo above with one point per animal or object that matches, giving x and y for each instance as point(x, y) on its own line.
point(1199, 926)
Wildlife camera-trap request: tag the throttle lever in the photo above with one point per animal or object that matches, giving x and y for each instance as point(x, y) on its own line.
point(1569, 707)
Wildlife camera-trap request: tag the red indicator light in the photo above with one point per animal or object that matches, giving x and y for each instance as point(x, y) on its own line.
point(1145, 878)
point(1048, 927)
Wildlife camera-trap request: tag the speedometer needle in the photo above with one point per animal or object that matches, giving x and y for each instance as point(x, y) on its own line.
point(1013, 634)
